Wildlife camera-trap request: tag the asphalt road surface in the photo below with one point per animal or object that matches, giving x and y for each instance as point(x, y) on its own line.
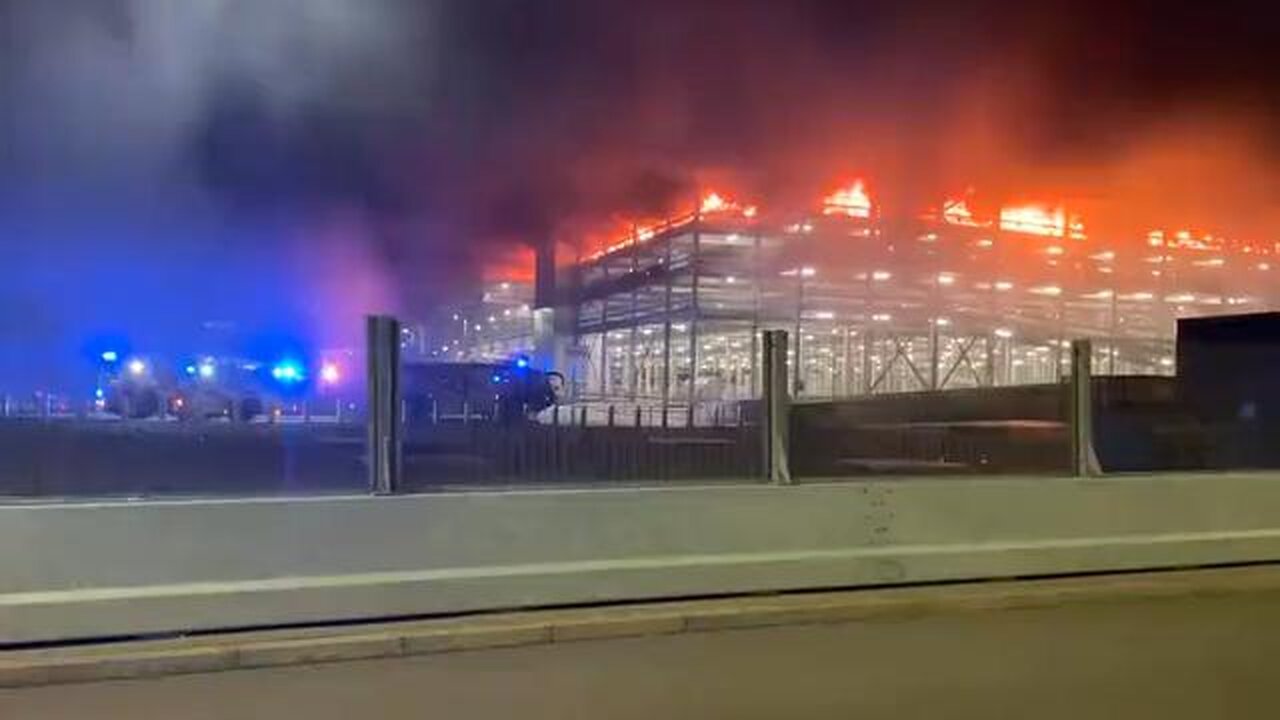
point(1197, 657)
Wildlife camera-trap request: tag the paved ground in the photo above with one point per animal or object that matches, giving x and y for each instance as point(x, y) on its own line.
point(1196, 656)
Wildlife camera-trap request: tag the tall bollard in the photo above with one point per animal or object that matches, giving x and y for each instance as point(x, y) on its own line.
point(1084, 460)
point(382, 336)
point(775, 408)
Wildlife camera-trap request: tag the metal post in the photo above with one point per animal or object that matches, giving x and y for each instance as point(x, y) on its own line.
point(604, 352)
point(666, 330)
point(775, 408)
point(693, 327)
point(933, 352)
point(868, 347)
point(846, 373)
point(1114, 332)
point(755, 316)
point(633, 381)
point(1084, 461)
point(989, 370)
point(797, 382)
point(382, 335)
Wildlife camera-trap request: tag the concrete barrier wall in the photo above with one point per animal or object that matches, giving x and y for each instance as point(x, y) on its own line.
point(109, 569)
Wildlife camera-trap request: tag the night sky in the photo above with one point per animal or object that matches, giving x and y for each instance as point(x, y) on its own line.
point(288, 165)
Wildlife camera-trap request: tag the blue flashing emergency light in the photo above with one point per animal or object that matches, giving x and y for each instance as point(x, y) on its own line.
point(110, 356)
point(287, 372)
point(522, 362)
point(191, 369)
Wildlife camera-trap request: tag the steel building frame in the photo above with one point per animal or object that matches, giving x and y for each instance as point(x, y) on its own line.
point(882, 306)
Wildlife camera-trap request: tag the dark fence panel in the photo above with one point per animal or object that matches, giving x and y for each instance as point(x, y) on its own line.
point(452, 454)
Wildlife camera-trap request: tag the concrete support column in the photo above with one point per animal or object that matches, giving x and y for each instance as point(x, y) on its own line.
point(633, 382)
point(666, 330)
point(693, 326)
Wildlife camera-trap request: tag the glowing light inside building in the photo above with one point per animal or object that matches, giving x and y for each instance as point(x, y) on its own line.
point(956, 212)
point(1039, 220)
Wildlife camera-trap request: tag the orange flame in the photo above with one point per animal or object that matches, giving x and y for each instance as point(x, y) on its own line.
point(850, 201)
point(713, 203)
point(1039, 220)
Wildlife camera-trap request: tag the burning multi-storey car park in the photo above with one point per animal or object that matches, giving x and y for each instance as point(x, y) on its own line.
point(670, 313)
